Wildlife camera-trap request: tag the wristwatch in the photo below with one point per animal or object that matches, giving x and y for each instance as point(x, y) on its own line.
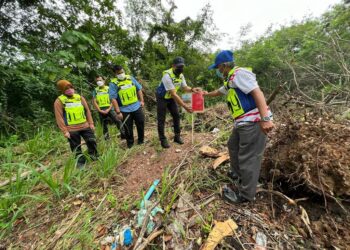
point(266, 118)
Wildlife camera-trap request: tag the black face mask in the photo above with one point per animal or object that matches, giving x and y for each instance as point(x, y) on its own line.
point(178, 71)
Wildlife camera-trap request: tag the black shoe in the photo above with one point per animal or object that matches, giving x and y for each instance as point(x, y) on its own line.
point(233, 175)
point(130, 145)
point(122, 136)
point(178, 139)
point(81, 161)
point(80, 164)
point(140, 142)
point(165, 143)
point(232, 196)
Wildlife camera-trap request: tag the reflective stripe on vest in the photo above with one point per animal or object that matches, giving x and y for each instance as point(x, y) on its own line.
point(126, 90)
point(102, 97)
point(177, 81)
point(75, 112)
point(238, 102)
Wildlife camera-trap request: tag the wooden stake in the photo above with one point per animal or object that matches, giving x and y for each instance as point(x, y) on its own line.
point(192, 127)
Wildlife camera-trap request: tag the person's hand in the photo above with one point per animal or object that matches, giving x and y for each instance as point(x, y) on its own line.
point(142, 103)
point(120, 116)
point(188, 108)
point(102, 111)
point(67, 135)
point(92, 127)
point(196, 90)
point(266, 126)
point(107, 110)
point(204, 92)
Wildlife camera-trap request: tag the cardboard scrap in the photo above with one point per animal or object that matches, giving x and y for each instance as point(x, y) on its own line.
point(220, 230)
point(208, 151)
point(223, 158)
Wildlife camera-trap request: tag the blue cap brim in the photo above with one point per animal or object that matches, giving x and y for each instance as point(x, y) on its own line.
point(213, 66)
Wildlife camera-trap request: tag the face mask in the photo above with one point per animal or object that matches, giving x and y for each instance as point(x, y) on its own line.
point(219, 74)
point(121, 76)
point(178, 71)
point(69, 92)
point(100, 83)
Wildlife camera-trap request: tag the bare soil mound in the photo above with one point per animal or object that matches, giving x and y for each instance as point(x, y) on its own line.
point(314, 153)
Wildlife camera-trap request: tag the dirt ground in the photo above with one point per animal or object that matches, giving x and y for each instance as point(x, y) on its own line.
point(148, 164)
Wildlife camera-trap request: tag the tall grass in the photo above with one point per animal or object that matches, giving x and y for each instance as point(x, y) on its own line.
point(45, 157)
point(59, 183)
point(109, 160)
point(15, 199)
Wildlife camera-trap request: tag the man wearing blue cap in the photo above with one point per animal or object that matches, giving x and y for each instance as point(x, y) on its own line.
point(167, 98)
point(252, 121)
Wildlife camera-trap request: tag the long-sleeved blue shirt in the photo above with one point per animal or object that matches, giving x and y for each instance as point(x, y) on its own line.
point(113, 94)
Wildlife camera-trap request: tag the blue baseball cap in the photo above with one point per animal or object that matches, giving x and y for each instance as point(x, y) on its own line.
point(222, 57)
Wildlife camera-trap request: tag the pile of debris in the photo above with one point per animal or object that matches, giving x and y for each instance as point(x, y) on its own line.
point(314, 153)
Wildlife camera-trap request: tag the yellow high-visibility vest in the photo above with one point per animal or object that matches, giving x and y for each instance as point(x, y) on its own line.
point(126, 90)
point(238, 102)
point(74, 109)
point(102, 97)
point(177, 81)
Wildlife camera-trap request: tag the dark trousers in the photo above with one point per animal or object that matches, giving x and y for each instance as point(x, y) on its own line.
point(90, 139)
point(104, 120)
point(246, 148)
point(162, 106)
point(128, 120)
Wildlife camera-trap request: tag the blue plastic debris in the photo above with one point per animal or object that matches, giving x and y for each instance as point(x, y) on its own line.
point(127, 237)
point(149, 193)
point(114, 246)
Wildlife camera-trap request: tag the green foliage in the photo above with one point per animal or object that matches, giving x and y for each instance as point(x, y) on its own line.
point(111, 157)
point(12, 203)
point(76, 40)
point(310, 56)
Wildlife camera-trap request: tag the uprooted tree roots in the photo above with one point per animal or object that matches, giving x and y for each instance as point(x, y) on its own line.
point(314, 153)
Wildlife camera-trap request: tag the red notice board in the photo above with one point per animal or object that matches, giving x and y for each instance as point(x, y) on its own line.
point(197, 102)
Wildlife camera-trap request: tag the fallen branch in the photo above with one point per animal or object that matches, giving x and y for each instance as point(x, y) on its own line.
point(144, 225)
point(305, 218)
point(151, 237)
point(99, 205)
point(275, 92)
point(195, 209)
point(290, 201)
point(199, 206)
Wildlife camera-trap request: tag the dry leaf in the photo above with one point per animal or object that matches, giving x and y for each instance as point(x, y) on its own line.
point(208, 151)
point(220, 230)
point(77, 203)
point(221, 160)
point(167, 237)
point(101, 230)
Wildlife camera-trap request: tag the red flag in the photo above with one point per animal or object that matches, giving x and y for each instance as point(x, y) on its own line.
point(197, 102)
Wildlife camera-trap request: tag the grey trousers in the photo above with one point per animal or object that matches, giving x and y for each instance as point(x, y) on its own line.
point(246, 147)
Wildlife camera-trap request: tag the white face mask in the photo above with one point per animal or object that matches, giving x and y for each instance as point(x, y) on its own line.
point(100, 83)
point(121, 76)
